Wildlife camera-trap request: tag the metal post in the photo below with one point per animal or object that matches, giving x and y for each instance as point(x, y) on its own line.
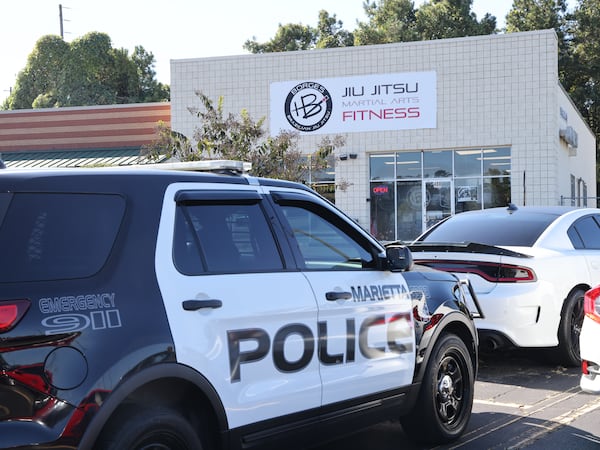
point(60, 15)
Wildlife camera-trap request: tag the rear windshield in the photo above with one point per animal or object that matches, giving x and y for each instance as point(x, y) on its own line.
point(49, 236)
point(493, 228)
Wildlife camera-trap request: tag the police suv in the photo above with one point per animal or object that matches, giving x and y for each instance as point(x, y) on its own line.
point(150, 308)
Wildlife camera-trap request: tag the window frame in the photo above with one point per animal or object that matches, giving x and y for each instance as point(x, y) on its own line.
point(189, 198)
point(358, 237)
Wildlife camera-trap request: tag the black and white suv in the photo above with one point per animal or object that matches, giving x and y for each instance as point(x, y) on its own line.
point(145, 308)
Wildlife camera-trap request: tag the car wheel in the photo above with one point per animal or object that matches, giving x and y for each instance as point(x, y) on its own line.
point(445, 400)
point(150, 429)
point(569, 329)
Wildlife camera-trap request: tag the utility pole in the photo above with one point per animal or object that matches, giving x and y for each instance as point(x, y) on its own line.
point(60, 15)
point(62, 20)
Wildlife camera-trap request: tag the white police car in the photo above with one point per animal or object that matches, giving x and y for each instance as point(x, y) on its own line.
point(178, 310)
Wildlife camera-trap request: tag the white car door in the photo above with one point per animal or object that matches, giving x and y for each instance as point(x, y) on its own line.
point(366, 332)
point(585, 237)
point(237, 315)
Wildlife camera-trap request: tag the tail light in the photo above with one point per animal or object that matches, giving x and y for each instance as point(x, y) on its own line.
point(584, 367)
point(492, 272)
point(11, 312)
point(591, 304)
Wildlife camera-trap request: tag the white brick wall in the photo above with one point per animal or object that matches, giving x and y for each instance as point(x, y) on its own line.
point(494, 90)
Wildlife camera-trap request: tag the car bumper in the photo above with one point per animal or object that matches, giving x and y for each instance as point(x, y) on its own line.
point(526, 314)
point(590, 352)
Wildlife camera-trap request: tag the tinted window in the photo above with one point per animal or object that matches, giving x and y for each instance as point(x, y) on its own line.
point(57, 236)
point(323, 245)
point(585, 233)
point(521, 228)
point(215, 237)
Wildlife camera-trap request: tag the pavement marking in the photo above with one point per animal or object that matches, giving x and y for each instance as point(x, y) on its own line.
point(481, 431)
point(501, 404)
point(554, 424)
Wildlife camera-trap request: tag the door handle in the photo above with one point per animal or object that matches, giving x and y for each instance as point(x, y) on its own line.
point(194, 305)
point(332, 296)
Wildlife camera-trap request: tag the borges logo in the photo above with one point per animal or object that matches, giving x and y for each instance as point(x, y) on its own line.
point(308, 106)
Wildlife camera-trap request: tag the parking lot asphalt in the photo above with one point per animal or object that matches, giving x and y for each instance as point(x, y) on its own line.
point(522, 400)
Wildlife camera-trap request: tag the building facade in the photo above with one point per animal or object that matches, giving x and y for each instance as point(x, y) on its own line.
point(107, 135)
point(431, 128)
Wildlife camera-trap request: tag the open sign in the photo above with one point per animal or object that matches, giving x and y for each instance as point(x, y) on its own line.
point(380, 190)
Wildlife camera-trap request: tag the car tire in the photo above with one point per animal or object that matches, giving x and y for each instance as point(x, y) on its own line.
point(569, 329)
point(445, 399)
point(149, 428)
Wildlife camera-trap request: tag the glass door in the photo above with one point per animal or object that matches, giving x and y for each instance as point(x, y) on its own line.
point(438, 201)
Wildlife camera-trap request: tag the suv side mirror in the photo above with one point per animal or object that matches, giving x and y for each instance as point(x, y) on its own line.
point(399, 258)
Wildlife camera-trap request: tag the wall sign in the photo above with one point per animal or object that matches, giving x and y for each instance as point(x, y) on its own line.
point(393, 101)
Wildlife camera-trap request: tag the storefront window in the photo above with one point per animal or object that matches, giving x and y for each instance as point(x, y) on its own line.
point(382, 167)
point(467, 194)
point(452, 181)
point(496, 192)
point(408, 165)
point(467, 163)
point(496, 161)
point(437, 164)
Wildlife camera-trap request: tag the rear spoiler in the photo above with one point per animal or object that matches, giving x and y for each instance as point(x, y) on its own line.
point(463, 247)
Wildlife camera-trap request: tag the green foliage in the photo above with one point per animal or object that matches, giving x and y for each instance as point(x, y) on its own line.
point(330, 32)
point(88, 71)
point(288, 38)
point(527, 15)
point(240, 138)
point(389, 21)
point(42, 73)
point(291, 37)
point(578, 44)
point(442, 19)
point(584, 86)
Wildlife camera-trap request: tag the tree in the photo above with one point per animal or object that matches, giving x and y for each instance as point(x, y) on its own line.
point(227, 136)
point(88, 71)
point(585, 86)
point(399, 21)
point(388, 21)
point(329, 33)
point(290, 37)
point(150, 90)
point(86, 75)
point(41, 75)
point(529, 15)
point(578, 45)
point(442, 19)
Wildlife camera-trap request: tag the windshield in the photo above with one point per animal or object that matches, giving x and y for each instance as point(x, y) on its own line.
point(521, 228)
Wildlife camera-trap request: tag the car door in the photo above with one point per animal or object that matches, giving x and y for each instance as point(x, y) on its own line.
point(366, 334)
point(237, 314)
point(585, 236)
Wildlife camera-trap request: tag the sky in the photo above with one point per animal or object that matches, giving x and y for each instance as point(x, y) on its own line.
point(174, 29)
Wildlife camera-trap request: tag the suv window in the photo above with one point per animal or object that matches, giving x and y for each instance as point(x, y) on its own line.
point(48, 236)
point(223, 238)
point(323, 245)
